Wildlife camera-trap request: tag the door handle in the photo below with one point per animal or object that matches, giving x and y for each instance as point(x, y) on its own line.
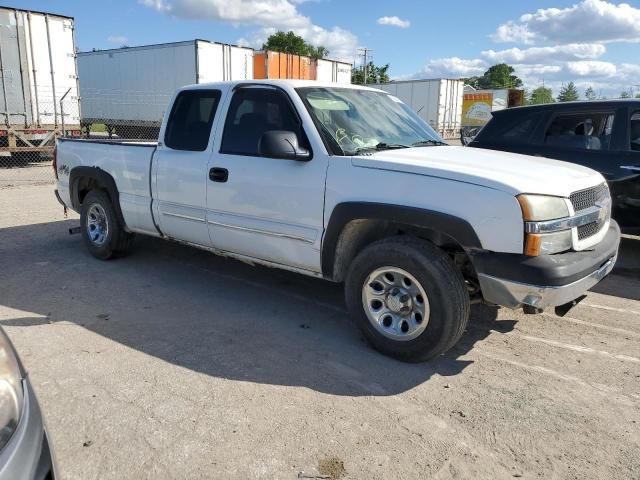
point(217, 174)
point(633, 168)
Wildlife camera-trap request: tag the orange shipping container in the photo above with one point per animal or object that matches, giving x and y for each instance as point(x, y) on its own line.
point(276, 65)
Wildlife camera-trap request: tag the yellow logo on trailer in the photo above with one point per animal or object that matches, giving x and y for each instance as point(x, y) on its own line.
point(476, 109)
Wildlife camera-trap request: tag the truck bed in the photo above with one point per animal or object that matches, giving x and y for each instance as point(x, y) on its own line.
point(129, 163)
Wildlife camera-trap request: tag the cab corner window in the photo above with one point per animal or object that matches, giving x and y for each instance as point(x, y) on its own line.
point(252, 112)
point(190, 121)
point(635, 132)
point(580, 131)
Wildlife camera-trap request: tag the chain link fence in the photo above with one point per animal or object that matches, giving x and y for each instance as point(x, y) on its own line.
point(26, 148)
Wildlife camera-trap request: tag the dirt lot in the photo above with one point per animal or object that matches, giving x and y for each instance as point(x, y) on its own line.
point(173, 363)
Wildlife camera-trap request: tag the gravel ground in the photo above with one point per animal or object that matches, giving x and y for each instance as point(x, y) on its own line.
point(174, 363)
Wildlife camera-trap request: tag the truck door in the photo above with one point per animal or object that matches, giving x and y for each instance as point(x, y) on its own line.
point(266, 208)
point(628, 166)
point(180, 166)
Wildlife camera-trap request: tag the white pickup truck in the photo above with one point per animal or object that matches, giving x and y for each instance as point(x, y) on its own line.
point(348, 184)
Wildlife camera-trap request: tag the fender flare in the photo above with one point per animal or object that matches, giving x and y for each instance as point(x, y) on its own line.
point(103, 179)
point(457, 228)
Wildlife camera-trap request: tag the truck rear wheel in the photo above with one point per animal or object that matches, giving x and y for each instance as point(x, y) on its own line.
point(101, 230)
point(408, 298)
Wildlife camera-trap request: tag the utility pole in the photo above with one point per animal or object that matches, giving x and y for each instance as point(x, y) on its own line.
point(364, 51)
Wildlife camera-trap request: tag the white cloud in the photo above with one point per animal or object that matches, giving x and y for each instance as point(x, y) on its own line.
point(118, 40)
point(592, 21)
point(572, 51)
point(591, 69)
point(453, 67)
point(394, 21)
point(267, 15)
point(511, 32)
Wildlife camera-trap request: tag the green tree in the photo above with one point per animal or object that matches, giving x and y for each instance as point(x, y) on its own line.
point(637, 95)
point(590, 94)
point(497, 76)
point(568, 93)
point(375, 74)
point(318, 52)
point(625, 94)
point(289, 42)
point(541, 95)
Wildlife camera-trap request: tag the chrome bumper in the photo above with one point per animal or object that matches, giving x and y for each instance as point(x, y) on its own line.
point(514, 294)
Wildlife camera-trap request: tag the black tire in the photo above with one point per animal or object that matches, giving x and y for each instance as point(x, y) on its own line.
point(116, 241)
point(444, 285)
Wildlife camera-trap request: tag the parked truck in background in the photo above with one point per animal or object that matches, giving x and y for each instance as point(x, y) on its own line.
point(348, 184)
point(38, 83)
point(437, 101)
point(127, 89)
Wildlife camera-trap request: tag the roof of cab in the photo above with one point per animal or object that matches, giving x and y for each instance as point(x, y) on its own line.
point(280, 83)
point(588, 104)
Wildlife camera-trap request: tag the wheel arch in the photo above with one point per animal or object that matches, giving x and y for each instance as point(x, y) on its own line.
point(84, 179)
point(354, 225)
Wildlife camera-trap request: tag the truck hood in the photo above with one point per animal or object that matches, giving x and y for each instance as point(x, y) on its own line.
point(508, 172)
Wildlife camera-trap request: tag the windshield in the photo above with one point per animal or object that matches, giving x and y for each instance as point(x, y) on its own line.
point(353, 120)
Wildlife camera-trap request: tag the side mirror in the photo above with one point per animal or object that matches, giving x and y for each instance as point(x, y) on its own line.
point(282, 144)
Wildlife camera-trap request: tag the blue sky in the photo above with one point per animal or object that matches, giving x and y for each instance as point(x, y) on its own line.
point(591, 42)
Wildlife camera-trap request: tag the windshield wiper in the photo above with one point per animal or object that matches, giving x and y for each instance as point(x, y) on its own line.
point(424, 143)
point(383, 146)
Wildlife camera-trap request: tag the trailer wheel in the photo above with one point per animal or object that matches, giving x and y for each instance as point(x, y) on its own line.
point(102, 232)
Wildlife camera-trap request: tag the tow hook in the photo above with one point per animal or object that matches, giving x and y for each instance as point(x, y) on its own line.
point(74, 230)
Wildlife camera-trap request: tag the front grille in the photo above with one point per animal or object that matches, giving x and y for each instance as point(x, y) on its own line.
point(588, 198)
point(583, 199)
point(585, 231)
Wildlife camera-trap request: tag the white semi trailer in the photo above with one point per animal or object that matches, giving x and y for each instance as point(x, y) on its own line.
point(437, 101)
point(127, 89)
point(38, 83)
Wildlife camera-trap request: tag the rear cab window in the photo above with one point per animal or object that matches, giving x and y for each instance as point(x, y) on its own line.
point(191, 118)
point(580, 131)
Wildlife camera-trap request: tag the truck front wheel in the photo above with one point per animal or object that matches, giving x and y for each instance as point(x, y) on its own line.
point(102, 232)
point(408, 298)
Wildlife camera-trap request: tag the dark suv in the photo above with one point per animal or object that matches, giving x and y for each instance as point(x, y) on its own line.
point(603, 135)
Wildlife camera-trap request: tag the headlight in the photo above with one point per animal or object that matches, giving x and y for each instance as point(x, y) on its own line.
point(11, 392)
point(536, 208)
point(542, 208)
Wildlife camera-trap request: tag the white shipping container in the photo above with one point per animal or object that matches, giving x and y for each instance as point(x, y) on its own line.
point(37, 68)
point(133, 86)
point(333, 71)
point(437, 101)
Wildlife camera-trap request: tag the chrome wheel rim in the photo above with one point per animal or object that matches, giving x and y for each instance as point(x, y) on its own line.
point(97, 225)
point(396, 304)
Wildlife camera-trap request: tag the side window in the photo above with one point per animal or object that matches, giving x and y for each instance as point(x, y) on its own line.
point(580, 131)
point(252, 112)
point(510, 128)
point(521, 130)
point(190, 121)
point(634, 132)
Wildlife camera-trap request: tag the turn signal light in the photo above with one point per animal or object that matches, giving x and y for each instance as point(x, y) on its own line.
point(532, 244)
